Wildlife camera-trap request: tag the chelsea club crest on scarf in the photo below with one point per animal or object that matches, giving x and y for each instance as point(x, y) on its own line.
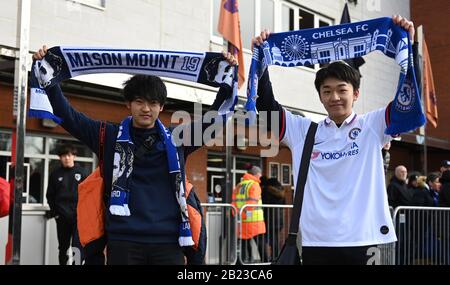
point(340, 42)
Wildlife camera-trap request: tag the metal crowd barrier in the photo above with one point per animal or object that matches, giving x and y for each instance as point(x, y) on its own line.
point(264, 248)
point(221, 228)
point(223, 225)
point(423, 235)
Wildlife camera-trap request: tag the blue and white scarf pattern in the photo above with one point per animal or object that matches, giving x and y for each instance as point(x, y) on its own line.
point(123, 169)
point(61, 63)
point(322, 45)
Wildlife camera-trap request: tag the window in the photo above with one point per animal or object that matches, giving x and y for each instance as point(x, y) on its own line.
point(217, 169)
point(306, 20)
point(286, 174)
point(324, 56)
point(255, 15)
point(359, 50)
point(5, 141)
point(298, 18)
point(274, 169)
point(39, 161)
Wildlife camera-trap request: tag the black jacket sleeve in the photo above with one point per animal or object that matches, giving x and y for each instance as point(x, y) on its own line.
point(51, 193)
point(223, 93)
point(266, 103)
point(76, 123)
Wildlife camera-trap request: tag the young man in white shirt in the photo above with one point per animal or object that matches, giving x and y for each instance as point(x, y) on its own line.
point(345, 210)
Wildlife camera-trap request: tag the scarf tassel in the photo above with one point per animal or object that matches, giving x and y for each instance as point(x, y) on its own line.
point(119, 210)
point(185, 238)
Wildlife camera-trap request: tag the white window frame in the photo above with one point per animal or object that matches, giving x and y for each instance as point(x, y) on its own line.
point(47, 157)
point(278, 22)
point(270, 170)
point(283, 165)
point(296, 7)
point(234, 171)
point(257, 22)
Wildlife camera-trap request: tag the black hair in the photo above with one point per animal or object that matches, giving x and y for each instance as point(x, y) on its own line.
point(432, 176)
point(67, 149)
point(413, 177)
point(339, 70)
point(146, 87)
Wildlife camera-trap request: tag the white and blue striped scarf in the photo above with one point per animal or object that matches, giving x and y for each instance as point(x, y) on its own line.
point(61, 63)
point(123, 169)
point(322, 45)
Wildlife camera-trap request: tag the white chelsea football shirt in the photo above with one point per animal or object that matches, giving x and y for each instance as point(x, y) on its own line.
point(345, 201)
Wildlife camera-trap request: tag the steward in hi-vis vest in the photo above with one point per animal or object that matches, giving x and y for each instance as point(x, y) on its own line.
point(249, 192)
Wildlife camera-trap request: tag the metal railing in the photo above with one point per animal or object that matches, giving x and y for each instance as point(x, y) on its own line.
point(221, 228)
point(423, 235)
point(264, 248)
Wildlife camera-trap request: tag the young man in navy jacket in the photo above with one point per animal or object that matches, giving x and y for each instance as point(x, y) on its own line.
point(143, 216)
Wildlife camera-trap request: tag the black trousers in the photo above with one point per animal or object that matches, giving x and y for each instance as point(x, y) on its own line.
point(132, 253)
point(336, 255)
point(247, 250)
point(68, 236)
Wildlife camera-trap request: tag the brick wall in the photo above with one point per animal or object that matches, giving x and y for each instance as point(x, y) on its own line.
point(433, 15)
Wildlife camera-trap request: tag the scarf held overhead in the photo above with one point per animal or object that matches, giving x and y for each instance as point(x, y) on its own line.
point(123, 169)
point(326, 44)
point(61, 63)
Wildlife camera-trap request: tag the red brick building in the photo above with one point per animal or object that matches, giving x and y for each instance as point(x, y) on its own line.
point(205, 167)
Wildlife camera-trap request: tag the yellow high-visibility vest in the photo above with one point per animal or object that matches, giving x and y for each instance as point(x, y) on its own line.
point(242, 197)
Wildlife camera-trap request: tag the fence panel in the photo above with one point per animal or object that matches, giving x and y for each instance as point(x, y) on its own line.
point(423, 236)
point(221, 228)
point(264, 248)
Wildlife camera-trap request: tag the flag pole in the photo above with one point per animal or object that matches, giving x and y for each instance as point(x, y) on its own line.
point(228, 148)
point(422, 130)
point(12, 254)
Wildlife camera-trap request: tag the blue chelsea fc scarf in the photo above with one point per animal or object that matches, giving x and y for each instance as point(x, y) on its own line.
point(326, 44)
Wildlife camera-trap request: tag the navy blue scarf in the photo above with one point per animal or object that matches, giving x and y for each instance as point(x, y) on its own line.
point(123, 169)
point(61, 63)
point(322, 45)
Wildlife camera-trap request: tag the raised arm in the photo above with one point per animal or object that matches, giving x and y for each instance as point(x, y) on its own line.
point(224, 93)
point(266, 100)
point(76, 123)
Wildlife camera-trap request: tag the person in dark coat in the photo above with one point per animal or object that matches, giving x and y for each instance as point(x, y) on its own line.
point(444, 195)
point(62, 197)
point(398, 193)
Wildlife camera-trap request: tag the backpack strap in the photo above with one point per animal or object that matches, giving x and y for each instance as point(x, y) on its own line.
point(101, 145)
point(301, 180)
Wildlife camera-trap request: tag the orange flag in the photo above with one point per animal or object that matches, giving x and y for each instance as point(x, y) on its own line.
point(429, 92)
point(229, 27)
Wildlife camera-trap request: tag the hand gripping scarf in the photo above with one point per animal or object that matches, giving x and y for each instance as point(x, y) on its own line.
point(322, 45)
point(61, 63)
